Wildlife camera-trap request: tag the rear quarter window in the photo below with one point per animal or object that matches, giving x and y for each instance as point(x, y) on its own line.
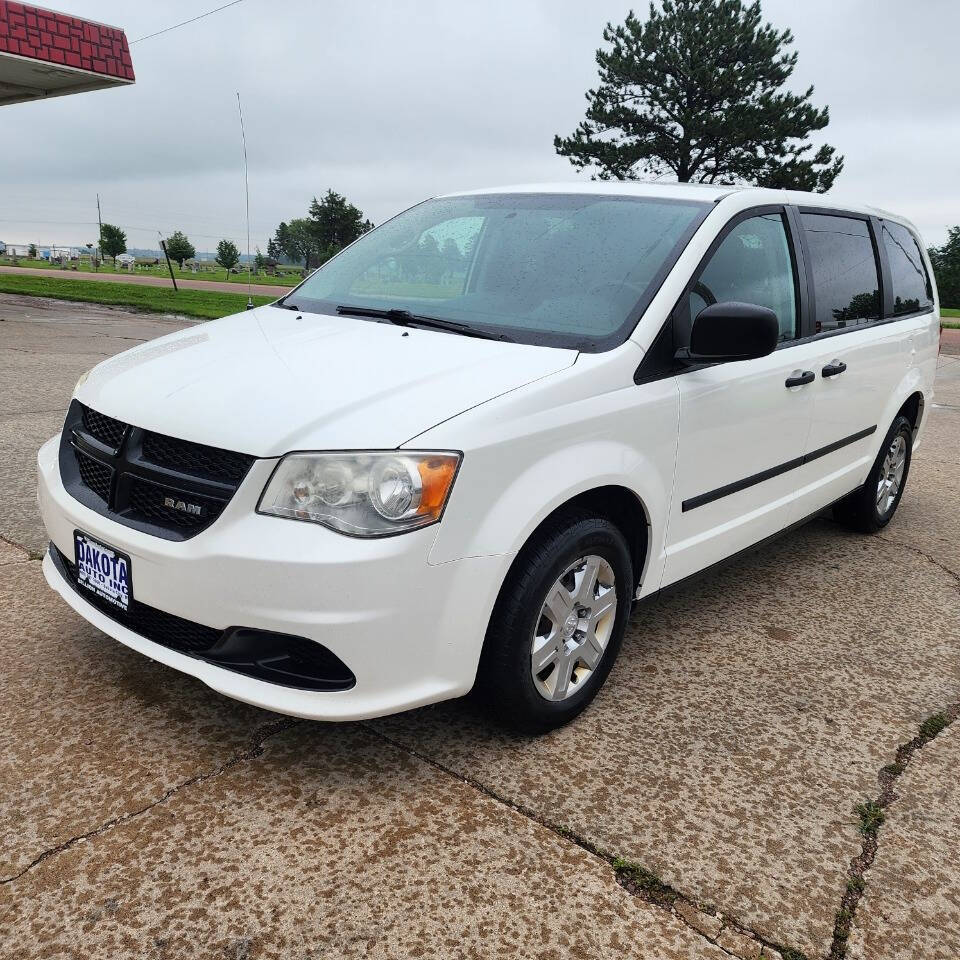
point(908, 275)
point(845, 276)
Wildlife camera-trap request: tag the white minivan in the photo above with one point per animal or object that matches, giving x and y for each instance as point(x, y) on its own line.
point(454, 456)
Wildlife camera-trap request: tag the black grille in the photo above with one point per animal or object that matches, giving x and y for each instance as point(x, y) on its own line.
point(149, 501)
point(94, 475)
point(277, 658)
point(104, 428)
point(161, 485)
point(195, 458)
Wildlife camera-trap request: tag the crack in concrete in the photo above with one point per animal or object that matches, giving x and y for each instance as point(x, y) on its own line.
point(260, 737)
point(872, 815)
point(926, 556)
point(654, 891)
point(31, 554)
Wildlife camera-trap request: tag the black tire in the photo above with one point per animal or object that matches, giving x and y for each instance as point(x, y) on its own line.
point(860, 510)
point(505, 683)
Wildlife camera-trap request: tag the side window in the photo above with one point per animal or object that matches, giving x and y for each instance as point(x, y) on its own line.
point(911, 285)
point(845, 278)
point(753, 264)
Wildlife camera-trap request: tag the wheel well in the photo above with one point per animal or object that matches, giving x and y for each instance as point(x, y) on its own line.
point(620, 506)
point(913, 409)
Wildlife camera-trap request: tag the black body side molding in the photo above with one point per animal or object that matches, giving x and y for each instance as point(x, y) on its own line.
point(704, 498)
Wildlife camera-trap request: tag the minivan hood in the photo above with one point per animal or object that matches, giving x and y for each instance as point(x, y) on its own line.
point(269, 381)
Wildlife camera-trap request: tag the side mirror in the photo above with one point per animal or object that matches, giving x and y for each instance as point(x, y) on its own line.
point(730, 331)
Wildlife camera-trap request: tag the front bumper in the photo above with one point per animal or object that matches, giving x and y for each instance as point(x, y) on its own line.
point(410, 632)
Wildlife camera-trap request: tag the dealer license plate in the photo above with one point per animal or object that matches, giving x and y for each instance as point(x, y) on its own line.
point(103, 570)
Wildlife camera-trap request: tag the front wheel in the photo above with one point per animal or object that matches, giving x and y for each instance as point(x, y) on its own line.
point(871, 508)
point(558, 624)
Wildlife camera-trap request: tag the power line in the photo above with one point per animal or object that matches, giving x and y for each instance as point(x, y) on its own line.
point(150, 36)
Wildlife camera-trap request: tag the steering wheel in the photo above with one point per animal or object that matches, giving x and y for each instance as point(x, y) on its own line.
point(704, 293)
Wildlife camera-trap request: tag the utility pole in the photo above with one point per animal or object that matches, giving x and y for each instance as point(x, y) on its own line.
point(100, 238)
point(163, 247)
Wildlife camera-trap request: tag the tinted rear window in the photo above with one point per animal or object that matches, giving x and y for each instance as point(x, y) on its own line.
point(911, 286)
point(846, 281)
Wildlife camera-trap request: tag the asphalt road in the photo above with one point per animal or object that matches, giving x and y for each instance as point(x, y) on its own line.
point(150, 280)
point(143, 815)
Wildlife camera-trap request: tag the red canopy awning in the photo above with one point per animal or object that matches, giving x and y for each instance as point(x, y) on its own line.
point(49, 54)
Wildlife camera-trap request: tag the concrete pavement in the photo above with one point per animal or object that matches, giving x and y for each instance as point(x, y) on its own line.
point(705, 806)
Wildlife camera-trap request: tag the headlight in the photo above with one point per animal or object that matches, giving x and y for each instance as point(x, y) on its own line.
point(82, 380)
point(362, 494)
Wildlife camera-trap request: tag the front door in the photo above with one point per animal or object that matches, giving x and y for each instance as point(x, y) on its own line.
point(743, 425)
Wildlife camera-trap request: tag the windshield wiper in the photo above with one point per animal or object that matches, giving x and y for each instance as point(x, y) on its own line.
point(404, 318)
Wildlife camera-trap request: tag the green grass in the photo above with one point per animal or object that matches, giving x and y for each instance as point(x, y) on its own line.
point(191, 303)
point(856, 885)
point(871, 818)
point(644, 881)
point(949, 312)
point(933, 725)
point(289, 278)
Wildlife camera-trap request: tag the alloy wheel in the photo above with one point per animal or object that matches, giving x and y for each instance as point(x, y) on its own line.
point(574, 627)
point(891, 474)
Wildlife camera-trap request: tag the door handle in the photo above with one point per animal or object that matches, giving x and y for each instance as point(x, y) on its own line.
point(833, 369)
point(808, 376)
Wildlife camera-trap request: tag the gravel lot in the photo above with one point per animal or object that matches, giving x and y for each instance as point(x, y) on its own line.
point(705, 806)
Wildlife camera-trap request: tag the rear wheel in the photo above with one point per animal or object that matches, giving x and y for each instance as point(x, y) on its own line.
point(871, 508)
point(558, 624)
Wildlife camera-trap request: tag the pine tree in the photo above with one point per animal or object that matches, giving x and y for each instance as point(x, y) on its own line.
point(697, 91)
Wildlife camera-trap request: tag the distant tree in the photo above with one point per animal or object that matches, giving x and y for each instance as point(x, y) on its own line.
point(452, 257)
point(861, 305)
point(335, 223)
point(32, 251)
point(228, 256)
point(277, 245)
point(331, 224)
point(432, 264)
point(179, 247)
point(946, 269)
point(696, 91)
point(259, 261)
point(300, 243)
point(113, 241)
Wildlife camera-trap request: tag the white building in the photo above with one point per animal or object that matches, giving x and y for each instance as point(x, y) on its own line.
point(15, 249)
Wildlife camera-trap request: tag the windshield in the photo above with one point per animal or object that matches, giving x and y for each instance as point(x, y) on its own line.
point(564, 270)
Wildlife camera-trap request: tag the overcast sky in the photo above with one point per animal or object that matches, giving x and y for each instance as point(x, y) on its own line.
point(389, 103)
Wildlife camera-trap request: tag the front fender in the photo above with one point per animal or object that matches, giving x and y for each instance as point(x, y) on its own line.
point(524, 467)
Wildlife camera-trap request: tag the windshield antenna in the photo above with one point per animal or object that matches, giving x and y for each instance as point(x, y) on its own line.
point(246, 181)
